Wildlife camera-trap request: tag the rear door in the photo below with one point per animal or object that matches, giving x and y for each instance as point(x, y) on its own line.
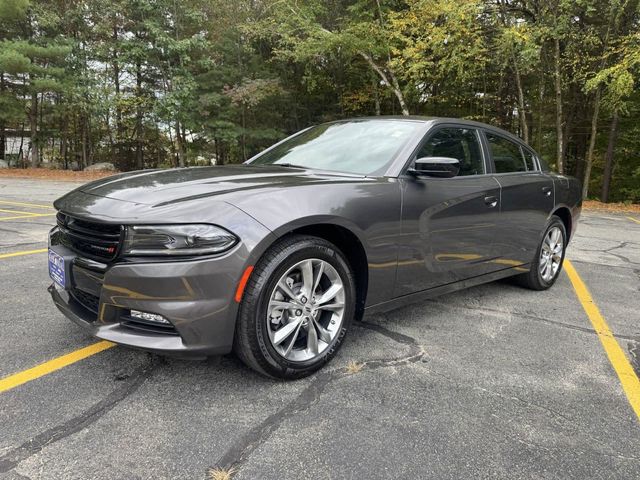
point(526, 199)
point(448, 224)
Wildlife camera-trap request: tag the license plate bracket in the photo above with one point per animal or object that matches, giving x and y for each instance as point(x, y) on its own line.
point(60, 262)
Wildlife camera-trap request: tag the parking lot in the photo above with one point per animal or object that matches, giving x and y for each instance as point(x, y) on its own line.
point(496, 381)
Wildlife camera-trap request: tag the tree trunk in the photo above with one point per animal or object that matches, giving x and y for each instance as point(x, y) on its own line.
point(539, 133)
point(484, 96)
point(389, 80)
point(139, 114)
point(63, 146)
point(398, 93)
point(569, 120)
point(33, 127)
point(174, 153)
point(243, 137)
point(181, 146)
point(2, 142)
point(376, 95)
point(21, 149)
point(83, 135)
point(596, 105)
point(522, 114)
point(608, 159)
point(120, 161)
point(558, 87)
point(592, 143)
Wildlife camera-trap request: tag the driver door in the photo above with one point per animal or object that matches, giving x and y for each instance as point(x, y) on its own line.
point(448, 224)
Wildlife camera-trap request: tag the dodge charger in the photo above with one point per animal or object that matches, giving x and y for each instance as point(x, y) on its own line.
point(273, 259)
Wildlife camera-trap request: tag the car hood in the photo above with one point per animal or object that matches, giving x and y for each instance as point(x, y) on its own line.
point(164, 187)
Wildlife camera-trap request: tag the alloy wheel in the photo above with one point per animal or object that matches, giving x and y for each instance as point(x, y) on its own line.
point(551, 254)
point(306, 310)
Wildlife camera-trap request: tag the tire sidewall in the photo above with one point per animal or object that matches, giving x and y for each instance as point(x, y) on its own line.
point(274, 271)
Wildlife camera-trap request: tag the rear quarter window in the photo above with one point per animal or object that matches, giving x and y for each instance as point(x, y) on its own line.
point(529, 160)
point(544, 165)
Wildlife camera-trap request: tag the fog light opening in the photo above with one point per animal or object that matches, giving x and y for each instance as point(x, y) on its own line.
point(149, 317)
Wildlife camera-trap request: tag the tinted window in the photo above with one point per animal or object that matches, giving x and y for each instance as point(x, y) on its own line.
point(459, 143)
point(529, 160)
point(507, 156)
point(365, 147)
point(544, 166)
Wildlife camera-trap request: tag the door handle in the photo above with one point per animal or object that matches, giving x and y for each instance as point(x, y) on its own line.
point(546, 191)
point(491, 201)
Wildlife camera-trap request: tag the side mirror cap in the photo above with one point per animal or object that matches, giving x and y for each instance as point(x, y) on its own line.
point(443, 167)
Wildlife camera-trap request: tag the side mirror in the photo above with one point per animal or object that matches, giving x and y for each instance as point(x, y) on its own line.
point(443, 167)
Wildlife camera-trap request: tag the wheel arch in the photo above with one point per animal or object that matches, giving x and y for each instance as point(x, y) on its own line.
point(343, 236)
point(564, 214)
point(352, 248)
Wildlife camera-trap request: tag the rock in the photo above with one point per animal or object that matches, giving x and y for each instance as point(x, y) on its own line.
point(4, 164)
point(102, 166)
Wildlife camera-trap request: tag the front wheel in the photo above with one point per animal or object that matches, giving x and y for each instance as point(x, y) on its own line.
point(549, 258)
point(296, 309)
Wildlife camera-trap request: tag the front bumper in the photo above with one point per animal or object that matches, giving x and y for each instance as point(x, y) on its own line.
point(196, 296)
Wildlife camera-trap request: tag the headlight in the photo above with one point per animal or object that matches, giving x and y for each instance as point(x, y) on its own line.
point(196, 239)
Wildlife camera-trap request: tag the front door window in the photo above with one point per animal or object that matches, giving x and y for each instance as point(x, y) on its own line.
point(459, 143)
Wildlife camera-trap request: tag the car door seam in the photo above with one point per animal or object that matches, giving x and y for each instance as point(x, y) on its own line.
point(499, 193)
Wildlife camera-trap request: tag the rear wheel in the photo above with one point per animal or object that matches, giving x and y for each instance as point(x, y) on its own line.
point(296, 309)
point(549, 258)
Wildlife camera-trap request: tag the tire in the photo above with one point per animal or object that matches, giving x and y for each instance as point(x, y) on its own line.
point(259, 341)
point(537, 278)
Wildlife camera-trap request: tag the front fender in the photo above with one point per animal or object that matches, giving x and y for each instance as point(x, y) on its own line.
point(368, 208)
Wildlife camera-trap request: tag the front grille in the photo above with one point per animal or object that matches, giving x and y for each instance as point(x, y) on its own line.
point(88, 301)
point(93, 239)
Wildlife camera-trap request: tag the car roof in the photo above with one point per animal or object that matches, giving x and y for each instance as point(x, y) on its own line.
point(437, 121)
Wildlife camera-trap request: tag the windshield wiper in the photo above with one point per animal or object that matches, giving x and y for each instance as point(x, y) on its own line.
point(290, 165)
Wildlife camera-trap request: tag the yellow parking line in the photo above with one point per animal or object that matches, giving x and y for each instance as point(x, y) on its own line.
point(22, 204)
point(20, 212)
point(628, 378)
point(24, 252)
point(634, 219)
point(45, 368)
point(31, 215)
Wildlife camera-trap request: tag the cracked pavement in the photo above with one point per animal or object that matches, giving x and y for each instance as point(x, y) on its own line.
point(495, 381)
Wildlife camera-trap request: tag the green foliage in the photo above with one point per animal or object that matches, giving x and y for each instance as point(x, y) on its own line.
point(11, 61)
point(12, 10)
point(146, 83)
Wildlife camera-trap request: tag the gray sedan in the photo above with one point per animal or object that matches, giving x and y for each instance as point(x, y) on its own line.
point(275, 258)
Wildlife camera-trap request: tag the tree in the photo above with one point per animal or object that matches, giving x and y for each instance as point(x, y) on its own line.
point(613, 84)
point(12, 14)
point(148, 83)
point(440, 48)
point(312, 32)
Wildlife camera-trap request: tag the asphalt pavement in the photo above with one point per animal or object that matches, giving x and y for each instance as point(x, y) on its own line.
point(495, 381)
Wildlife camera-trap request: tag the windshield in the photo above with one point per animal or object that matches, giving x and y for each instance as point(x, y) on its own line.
point(364, 147)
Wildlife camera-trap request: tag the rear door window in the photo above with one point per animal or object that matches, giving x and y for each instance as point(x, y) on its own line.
point(507, 155)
